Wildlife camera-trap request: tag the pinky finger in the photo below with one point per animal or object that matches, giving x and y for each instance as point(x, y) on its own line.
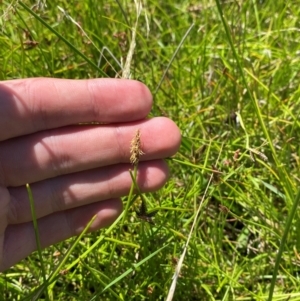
point(20, 241)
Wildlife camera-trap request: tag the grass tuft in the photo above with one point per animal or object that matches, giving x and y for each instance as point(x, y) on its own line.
point(227, 72)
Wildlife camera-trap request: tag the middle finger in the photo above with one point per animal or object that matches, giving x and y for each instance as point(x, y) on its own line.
point(72, 149)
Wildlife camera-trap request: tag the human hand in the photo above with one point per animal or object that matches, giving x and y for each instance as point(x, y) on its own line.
point(75, 171)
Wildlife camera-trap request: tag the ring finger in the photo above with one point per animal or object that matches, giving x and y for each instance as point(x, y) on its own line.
point(82, 188)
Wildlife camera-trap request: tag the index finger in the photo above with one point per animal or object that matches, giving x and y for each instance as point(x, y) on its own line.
point(36, 104)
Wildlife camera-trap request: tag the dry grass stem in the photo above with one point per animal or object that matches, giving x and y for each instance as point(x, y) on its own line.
point(180, 262)
point(126, 70)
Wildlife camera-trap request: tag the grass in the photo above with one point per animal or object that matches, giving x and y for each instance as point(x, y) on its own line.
point(240, 56)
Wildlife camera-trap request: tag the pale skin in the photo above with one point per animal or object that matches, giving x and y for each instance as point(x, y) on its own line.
point(74, 171)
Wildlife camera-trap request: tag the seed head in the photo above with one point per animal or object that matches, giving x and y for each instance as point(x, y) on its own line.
point(135, 148)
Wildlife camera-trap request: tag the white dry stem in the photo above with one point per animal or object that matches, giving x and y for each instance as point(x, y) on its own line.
point(67, 15)
point(173, 57)
point(40, 4)
point(180, 262)
point(112, 55)
point(126, 70)
point(6, 12)
point(248, 148)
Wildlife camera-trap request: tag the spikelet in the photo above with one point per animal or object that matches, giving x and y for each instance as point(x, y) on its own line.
point(135, 148)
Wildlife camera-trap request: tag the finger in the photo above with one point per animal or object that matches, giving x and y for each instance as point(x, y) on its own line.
point(74, 190)
point(47, 154)
point(20, 239)
point(36, 104)
point(4, 209)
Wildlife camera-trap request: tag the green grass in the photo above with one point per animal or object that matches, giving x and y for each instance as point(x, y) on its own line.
point(245, 243)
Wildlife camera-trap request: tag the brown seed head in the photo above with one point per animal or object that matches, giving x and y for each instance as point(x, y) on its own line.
point(135, 148)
